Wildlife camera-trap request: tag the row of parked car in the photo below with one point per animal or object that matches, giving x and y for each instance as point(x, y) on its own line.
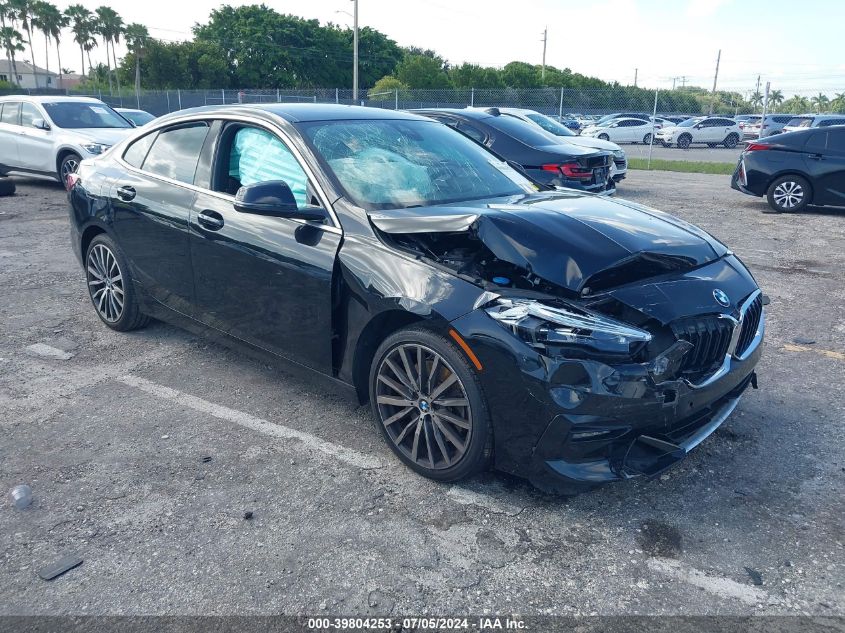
point(50, 136)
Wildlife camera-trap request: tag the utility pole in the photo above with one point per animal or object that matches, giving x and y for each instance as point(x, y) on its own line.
point(545, 37)
point(715, 78)
point(355, 53)
point(757, 91)
point(636, 70)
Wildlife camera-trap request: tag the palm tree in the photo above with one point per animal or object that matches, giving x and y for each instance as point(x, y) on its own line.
point(820, 100)
point(80, 25)
point(775, 98)
point(136, 38)
point(50, 21)
point(838, 102)
point(11, 40)
point(756, 99)
point(21, 11)
point(109, 26)
point(4, 12)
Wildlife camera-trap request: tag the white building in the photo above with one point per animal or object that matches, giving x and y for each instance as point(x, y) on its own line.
point(26, 78)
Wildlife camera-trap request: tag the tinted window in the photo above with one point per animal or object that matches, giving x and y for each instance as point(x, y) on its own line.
point(723, 122)
point(137, 151)
point(523, 131)
point(256, 155)
point(800, 121)
point(472, 132)
point(81, 115)
point(10, 113)
point(176, 152)
point(817, 142)
point(782, 119)
point(836, 140)
point(139, 118)
point(28, 114)
point(830, 122)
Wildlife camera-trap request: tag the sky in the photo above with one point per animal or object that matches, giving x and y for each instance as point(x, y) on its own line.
point(798, 47)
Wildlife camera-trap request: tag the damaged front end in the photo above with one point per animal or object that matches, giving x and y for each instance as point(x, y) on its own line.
point(609, 349)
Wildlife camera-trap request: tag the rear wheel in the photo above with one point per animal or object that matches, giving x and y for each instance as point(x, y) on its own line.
point(428, 404)
point(789, 193)
point(647, 139)
point(110, 287)
point(684, 141)
point(70, 164)
point(731, 141)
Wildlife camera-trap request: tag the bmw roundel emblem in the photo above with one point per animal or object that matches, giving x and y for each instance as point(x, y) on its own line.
point(722, 298)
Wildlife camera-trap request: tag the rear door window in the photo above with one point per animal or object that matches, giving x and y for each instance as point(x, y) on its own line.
point(836, 141)
point(800, 121)
point(10, 113)
point(28, 114)
point(176, 151)
point(816, 142)
point(830, 122)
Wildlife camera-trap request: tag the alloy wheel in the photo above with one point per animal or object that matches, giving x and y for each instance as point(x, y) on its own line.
point(423, 406)
point(105, 283)
point(69, 166)
point(788, 194)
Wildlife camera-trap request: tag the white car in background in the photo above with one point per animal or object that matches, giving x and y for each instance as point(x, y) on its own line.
point(50, 136)
point(564, 135)
point(623, 131)
point(711, 130)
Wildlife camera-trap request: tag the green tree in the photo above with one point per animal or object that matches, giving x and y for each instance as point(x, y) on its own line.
point(422, 71)
point(136, 38)
point(838, 102)
point(474, 76)
point(50, 21)
point(21, 12)
point(12, 42)
point(775, 98)
point(82, 26)
point(109, 26)
point(820, 101)
point(388, 83)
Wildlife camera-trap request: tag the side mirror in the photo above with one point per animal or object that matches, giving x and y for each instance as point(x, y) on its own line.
point(41, 124)
point(275, 198)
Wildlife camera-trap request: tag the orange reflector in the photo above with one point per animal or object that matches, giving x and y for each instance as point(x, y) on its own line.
point(470, 354)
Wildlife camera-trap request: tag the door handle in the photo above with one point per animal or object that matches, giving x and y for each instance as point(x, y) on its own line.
point(126, 193)
point(210, 220)
point(815, 156)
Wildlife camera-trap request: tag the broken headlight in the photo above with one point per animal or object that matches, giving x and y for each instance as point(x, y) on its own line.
point(541, 325)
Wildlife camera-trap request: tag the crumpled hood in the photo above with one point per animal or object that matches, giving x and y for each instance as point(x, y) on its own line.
point(567, 238)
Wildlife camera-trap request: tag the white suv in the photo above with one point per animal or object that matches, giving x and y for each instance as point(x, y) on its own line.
point(49, 136)
point(713, 131)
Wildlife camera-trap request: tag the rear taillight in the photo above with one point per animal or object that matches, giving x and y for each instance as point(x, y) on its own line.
point(570, 170)
point(71, 181)
point(757, 147)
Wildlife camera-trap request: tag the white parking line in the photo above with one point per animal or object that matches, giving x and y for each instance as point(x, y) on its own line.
point(722, 587)
point(311, 442)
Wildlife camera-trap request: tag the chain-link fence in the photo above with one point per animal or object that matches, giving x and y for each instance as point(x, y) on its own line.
point(554, 101)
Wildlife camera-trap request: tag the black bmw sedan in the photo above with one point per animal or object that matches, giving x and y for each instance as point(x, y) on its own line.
point(795, 169)
point(563, 337)
point(539, 153)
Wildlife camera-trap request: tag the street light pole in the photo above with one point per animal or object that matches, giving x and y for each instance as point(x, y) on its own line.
point(355, 53)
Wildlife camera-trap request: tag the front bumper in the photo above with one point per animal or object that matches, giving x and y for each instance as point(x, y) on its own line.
point(571, 424)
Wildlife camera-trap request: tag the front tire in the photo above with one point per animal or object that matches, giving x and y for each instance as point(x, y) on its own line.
point(647, 139)
point(789, 193)
point(684, 141)
point(69, 165)
point(731, 141)
point(428, 404)
point(110, 287)
point(604, 137)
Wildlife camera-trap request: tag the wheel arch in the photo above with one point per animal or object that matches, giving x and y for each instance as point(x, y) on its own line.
point(63, 153)
point(87, 236)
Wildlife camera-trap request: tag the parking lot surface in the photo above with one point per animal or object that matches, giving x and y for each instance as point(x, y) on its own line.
point(692, 153)
point(145, 452)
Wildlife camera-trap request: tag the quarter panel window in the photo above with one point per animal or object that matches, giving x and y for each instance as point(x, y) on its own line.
point(10, 113)
point(176, 151)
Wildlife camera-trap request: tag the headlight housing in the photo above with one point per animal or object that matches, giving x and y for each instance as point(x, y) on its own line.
point(542, 326)
point(95, 148)
point(618, 153)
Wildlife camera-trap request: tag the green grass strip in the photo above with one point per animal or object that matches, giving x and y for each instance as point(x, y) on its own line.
point(686, 166)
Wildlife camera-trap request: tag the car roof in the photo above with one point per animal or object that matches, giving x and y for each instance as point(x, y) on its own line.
point(299, 112)
point(50, 99)
point(470, 113)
